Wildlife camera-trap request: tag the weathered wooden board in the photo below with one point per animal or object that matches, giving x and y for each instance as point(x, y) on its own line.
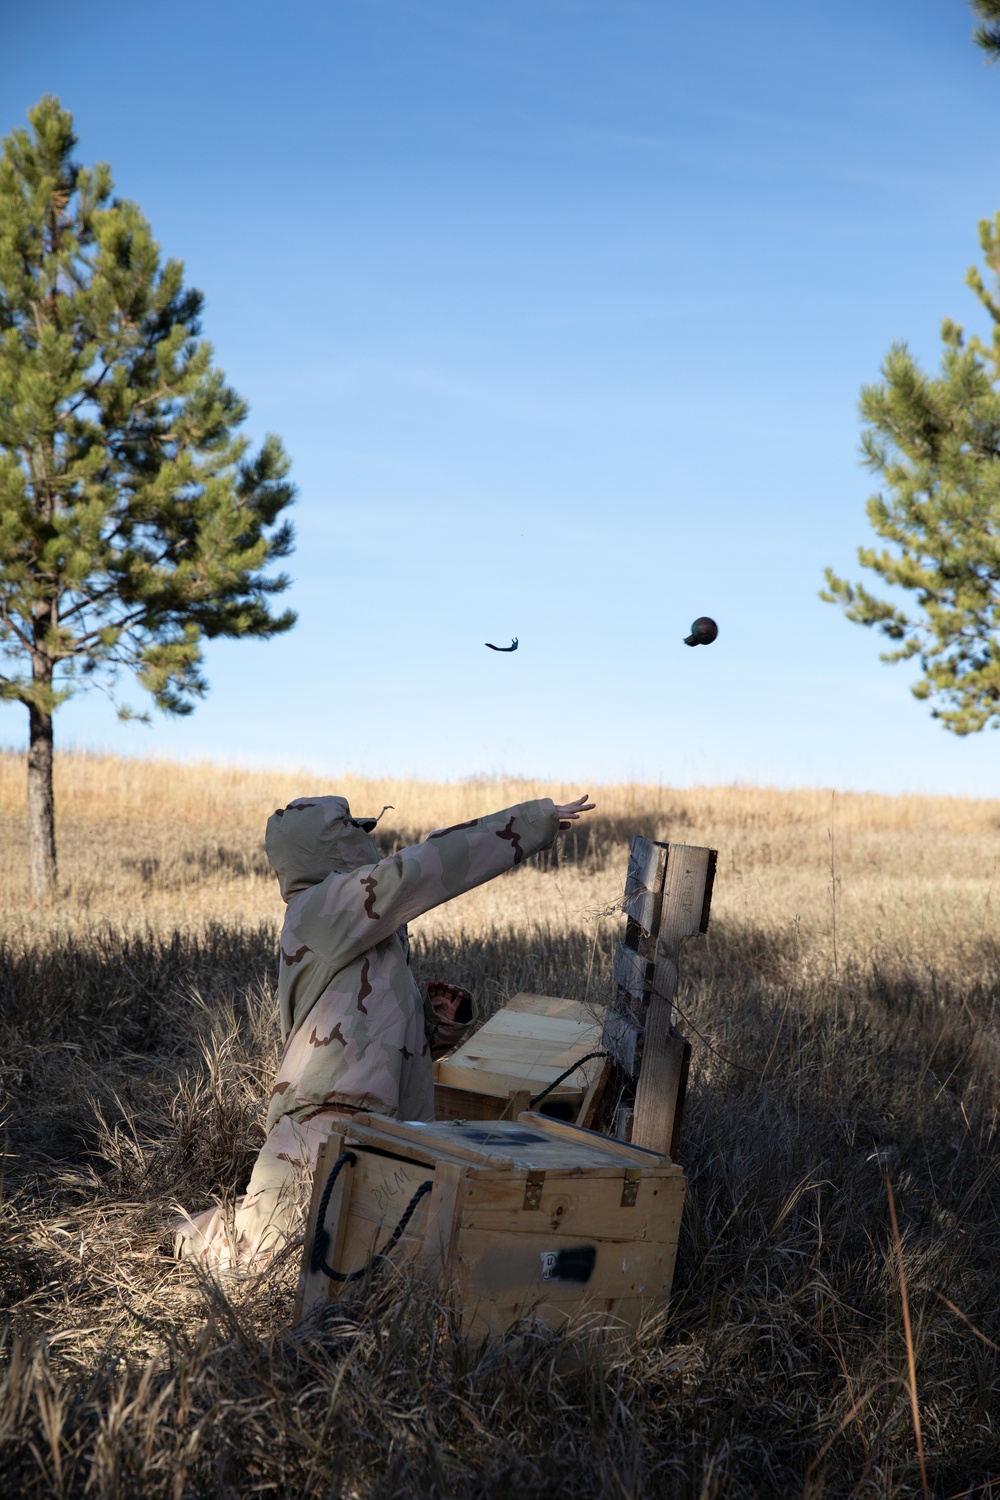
point(594, 1105)
point(632, 974)
point(622, 1037)
point(545, 1005)
point(471, 1104)
point(687, 889)
point(647, 863)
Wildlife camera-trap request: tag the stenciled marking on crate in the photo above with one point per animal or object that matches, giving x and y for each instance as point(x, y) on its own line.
point(569, 1265)
point(391, 1187)
point(512, 1136)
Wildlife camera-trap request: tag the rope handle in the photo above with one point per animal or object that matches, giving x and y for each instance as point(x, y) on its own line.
point(572, 1069)
point(321, 1240)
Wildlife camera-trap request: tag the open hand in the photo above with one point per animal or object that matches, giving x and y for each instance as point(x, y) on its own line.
point(571, 811)
point(447, 1000)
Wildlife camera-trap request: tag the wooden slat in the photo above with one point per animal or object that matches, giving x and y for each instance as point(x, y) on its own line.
point(547, 1005)
point(427, 1142)
point(610, 1150)
point(314, 1286)
point(530, 1142)
point(631, 974)
point(510, 1028)
point(580, 1207)
point(675, 1135)
point(639, 941)
point(622, 1037)
point(660, 1090)
point(709, 883)
point(438, 1253)
point(469, 1104)
point(644, 882)
point(591, 1111)
point(689, 871)
point(687, 877)
point(536, 1078)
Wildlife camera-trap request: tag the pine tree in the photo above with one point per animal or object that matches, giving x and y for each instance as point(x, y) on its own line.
point(935, 442)
point(134, 521)
point(987, 36)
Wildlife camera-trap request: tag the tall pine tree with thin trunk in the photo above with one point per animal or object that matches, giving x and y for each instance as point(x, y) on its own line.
point(135, 523)
point(934, 441)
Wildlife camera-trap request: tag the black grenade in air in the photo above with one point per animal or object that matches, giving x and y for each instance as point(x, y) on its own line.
point(703, 632)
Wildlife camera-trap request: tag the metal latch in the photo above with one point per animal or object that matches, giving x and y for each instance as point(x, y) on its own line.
point(630, 1187)
point(533, 1189)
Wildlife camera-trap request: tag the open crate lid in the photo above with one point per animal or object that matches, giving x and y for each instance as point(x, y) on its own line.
point(527, 1044)
point(529, 1143)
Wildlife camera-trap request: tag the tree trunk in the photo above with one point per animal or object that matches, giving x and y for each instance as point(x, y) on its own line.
point(41, 808)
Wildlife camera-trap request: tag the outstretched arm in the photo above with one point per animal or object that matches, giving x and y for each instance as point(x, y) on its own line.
point(345, 915)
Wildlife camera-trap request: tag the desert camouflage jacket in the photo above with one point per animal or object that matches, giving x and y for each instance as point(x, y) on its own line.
point(351, 1016)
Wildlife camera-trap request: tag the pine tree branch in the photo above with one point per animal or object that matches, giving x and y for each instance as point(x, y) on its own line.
point(88, 392)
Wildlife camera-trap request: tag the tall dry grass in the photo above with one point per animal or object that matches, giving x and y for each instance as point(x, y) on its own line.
point(844, 1009)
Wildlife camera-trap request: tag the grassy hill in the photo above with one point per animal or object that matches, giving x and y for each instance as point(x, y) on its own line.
point(844, 1012)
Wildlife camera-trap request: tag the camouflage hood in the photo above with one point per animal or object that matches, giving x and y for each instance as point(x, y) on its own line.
point(311, 838)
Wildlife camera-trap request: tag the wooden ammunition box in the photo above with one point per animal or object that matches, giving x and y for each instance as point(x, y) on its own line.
point(530, 1218)
point(516, 1054)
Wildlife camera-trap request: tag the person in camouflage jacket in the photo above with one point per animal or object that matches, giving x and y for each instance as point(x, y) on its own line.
point(357, 1037)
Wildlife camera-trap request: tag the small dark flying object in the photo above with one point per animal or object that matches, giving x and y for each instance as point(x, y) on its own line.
point(511, 647)
point(703, 632)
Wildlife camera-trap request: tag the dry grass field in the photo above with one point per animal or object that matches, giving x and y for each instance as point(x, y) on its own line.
point(845, 1014)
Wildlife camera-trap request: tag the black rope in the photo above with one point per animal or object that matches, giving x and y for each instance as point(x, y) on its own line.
point(321, 1241)
point(557, 1081)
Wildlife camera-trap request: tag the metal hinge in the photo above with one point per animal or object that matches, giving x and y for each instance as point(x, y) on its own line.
point(630, 1187)
point(533, 1189)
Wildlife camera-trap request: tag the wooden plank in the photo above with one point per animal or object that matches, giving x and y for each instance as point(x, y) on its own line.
point(430, 1141)
point(579, 1206)
point(499, 1146)
point(688, 870)
point(622, 1037)
point(438, 1252)
point(688, 874)
point(537, 1141)
point(632, 974)
point(644, 882)
point(547, 1005)
point(675, 1135)
point(519, 1026)
point(502, 1267)
point(641, 942)
point(381, 1193)
point(314, 1286)
point(594, 1100)
point(610, 1149)
point(469, 1104)
point(478, 1080)
point(661, 1081)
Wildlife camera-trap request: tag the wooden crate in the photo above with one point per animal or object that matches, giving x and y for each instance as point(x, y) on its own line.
point(513, 1219)
point(518, 1052)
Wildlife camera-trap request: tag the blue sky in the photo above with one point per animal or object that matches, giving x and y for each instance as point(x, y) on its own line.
point(561, 309)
